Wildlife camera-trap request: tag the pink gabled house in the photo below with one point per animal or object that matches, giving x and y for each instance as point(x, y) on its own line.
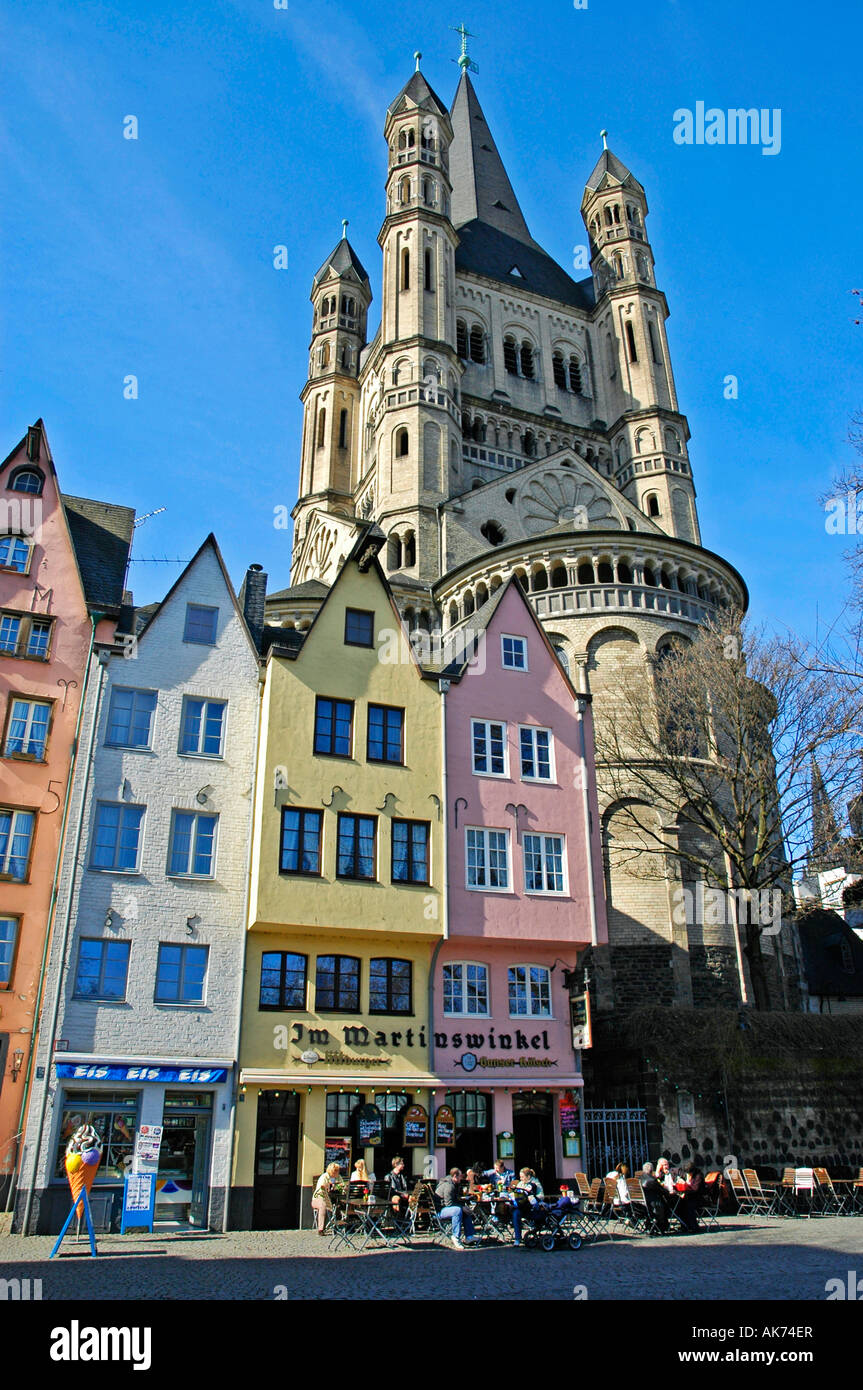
point(525, 897)
point(63, 564)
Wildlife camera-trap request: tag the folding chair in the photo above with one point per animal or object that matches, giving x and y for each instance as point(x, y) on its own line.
point(709, 1210)
point(832, 1202)
point(738, 1187)
point(639, 1212)
point(344, 1227)
point(787, 1202)
point(765, 1198)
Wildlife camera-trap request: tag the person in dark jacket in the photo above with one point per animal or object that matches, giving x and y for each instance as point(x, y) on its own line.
point(448, 1190)
point(397, 1186)
point(656, 1197)
point(692, 1198)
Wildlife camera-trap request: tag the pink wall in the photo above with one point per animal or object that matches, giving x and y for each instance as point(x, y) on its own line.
point(542, 697)
point(38, 786)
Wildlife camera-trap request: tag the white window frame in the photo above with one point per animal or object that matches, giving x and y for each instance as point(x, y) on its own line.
point(132, 690)
point(487, 725)
point(193, 842)
point(545, 836)
point(484, 830)
point(463, 966)
point(533, 730)
point(31, 704)
point(528, 966)
point(198, 753)
point(513, 637)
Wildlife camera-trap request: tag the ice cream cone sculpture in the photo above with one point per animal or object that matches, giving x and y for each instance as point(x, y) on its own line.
point(83, 1156)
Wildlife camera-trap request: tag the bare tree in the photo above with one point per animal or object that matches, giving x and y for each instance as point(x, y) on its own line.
point(725, 749)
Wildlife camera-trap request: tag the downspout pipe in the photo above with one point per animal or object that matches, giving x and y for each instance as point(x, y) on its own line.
point(95, 619)
point(443, 687)
point(581, 707)
point(246, 913)
point(67, 921)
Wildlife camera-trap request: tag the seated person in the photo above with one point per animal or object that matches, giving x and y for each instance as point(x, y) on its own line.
point(500, 1176)
point(448, 1190)
point(655, 1196)
point(692, 1198)
point(397, 1186)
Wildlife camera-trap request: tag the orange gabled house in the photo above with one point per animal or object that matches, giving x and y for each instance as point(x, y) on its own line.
point(63, 563)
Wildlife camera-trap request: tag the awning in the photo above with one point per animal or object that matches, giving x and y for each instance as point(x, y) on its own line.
point(356, 1080)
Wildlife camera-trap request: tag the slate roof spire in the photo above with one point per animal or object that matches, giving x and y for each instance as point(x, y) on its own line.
point(480, 184)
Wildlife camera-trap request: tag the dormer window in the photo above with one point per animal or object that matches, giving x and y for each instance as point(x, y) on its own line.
point(27, 480)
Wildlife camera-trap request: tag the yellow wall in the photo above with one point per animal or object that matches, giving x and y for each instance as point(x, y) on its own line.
point(412, 791)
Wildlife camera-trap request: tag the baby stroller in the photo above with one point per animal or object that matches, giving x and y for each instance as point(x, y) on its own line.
point(551, 1228)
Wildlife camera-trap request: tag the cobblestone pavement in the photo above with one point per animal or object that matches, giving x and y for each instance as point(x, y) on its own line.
point(747, 1258)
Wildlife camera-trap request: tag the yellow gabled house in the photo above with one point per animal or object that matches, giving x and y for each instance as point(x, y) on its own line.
point(346, 902)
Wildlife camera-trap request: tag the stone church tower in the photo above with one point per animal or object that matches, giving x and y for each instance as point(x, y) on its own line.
point(508, 419)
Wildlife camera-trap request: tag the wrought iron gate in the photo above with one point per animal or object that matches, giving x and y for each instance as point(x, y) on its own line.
point(613, 1136)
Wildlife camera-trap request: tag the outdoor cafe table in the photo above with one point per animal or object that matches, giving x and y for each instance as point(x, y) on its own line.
point(486, 1221)
point(371, 1215)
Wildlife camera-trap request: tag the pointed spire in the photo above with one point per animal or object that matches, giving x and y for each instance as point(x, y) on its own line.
point(609, 164)
point(343, 260)
point(826, 839)
point(480, 185)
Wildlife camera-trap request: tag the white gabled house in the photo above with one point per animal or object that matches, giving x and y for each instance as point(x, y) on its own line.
point(147, 958)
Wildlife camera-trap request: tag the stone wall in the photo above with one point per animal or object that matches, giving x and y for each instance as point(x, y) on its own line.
point(785, 1090)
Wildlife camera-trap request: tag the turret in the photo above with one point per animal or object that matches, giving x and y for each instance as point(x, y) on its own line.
point(648, 434)
point(340, 297)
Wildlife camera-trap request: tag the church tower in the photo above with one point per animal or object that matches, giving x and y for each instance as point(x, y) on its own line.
point(648, 434)
point(341, 295)
point(413, 414)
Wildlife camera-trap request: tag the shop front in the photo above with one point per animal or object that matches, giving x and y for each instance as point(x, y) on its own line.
point(189, 1100)
point(503, 1050)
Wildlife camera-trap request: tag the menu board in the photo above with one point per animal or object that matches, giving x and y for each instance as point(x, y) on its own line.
point(370, 1126)
point(444, 1128)
point(338, 1150)
point(148, 1141)
point(568, 1113)
point(416, 1127)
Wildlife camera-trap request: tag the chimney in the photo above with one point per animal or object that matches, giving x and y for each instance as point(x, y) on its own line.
point(253, 596)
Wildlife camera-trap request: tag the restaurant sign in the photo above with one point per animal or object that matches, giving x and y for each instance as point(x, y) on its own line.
point(444, 1128)
point(416, 1127)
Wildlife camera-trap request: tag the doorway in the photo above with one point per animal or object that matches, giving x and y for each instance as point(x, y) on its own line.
point(533, 1135)
point(473, 1142)
point(183, 1190)
point(392, 1108)
point(276, 1196)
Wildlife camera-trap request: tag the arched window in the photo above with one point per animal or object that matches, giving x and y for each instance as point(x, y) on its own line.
point(26, 480)
point(608, 218)
point(609, 352)
point(347, 357)
point(521, 580)
point(322, 427)
point(649, 577)
point(481, 595)
point(478, 431)
point(559, 577)
point(529, 444)
point(477, 344)
point(617, 213)
point(428, 192)
point(453, 615)
point(402, 443)
point(584, 574)
point(624, 572)
point(428, 283)
point(652, 504)
point(461, 339)
point(654, 345)
point(562, 658)
point(539, 580)
point(527, 368)
point(343, 429)
point(510, 356)
point(406, 269)
point(604, 572)
point(575, 375)
point(630, 342)
point(617, 262)
point(394, 552)
point(469, 606)
point(558, 370)
point(324, 356)
point(410, 550)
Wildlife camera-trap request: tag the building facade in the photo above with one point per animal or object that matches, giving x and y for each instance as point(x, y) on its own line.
point(148, 954)
point(62, 568)
point(347, 897)
point(525, 894)
point(506, 420)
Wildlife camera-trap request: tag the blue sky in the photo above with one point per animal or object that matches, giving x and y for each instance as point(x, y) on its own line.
point(261, 126)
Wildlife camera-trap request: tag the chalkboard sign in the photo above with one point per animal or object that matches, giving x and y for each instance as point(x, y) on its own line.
point(338, 1150)
point(444, 1128)
point(370, 1126)
point(416, 1127)
point(568, 1112)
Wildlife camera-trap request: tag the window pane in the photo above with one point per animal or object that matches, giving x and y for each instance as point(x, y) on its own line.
point(9, 631)
point(181, 843)
point(37, 644)
point(215, 716)
point(359, 627)
point(201, 624)
point(190, 738)
point(8, 935)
